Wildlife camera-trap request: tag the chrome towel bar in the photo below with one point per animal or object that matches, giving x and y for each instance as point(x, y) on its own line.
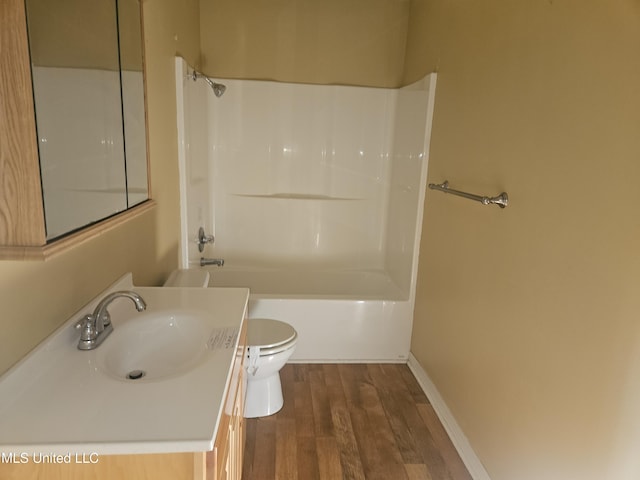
point(501, 200)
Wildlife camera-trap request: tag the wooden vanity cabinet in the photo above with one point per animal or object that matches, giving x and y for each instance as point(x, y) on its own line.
point(224, 462)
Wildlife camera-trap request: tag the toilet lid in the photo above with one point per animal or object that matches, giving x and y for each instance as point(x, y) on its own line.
point(268, 333)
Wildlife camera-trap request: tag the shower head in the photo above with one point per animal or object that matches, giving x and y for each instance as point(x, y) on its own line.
point(218, 88)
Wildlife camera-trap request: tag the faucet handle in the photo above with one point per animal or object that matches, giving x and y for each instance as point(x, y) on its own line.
point(87, 327)
point(203, 239)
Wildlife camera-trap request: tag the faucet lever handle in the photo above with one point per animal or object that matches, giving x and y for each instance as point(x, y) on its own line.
point(87, 325)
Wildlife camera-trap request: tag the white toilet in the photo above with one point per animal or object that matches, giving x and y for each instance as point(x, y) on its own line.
point(270, 343)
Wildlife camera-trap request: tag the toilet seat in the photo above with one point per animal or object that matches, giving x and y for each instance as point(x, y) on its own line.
point(270, 336)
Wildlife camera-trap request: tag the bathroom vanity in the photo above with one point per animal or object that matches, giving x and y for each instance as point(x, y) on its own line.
point(161, 398)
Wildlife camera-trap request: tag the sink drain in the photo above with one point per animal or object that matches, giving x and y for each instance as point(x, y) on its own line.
point(136, 374)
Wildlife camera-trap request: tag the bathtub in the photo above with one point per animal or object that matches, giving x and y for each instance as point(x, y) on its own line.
point(340, 315)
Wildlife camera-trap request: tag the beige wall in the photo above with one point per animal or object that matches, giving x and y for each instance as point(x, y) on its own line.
point(36, 297)
point(358, 42)
point(170, 28)
point(527, 318)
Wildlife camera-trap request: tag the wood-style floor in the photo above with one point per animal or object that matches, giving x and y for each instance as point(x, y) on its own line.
point(345, 421)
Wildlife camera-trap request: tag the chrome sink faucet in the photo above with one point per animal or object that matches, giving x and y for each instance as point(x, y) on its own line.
point(95, 327)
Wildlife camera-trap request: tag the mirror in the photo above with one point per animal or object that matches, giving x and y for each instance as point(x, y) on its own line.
point(86, 60)
point(135, 132)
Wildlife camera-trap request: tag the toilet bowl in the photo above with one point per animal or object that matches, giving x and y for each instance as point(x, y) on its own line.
point(270, 343)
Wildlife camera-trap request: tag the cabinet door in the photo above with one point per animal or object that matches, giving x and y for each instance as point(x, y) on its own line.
point(229, 444)
point(67, 63)
point(77, 93)
point(21, 211)
point(237, 435)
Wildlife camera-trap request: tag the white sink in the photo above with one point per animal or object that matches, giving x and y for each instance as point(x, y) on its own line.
point(155, 346)
point(59, 399)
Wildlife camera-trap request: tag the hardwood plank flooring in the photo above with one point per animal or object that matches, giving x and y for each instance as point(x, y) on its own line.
point(351, 422)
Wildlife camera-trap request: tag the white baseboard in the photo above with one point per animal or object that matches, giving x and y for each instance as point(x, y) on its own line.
point(458, 438)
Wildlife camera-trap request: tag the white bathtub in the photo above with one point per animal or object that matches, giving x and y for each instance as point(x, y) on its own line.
point(340, 316)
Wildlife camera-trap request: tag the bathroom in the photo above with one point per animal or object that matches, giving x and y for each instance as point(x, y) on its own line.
point(525, 317)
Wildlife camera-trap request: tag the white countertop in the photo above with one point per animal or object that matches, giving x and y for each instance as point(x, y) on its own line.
point(58, 400)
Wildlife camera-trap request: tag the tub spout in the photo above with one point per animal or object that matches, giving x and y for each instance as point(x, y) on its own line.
point(211, 261)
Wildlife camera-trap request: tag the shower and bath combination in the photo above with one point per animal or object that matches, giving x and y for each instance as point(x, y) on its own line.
point(313, 230)
point(218, 88)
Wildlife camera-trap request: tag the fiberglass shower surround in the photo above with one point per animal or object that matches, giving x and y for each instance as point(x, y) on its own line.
point(296, 176)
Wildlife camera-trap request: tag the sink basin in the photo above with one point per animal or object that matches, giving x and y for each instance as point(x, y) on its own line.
point(185, 342)
point(154, 345)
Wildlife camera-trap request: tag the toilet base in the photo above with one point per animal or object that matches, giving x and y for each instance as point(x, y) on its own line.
point(264, 396)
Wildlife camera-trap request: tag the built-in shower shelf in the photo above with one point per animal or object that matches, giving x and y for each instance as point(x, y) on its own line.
point(294, 196)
